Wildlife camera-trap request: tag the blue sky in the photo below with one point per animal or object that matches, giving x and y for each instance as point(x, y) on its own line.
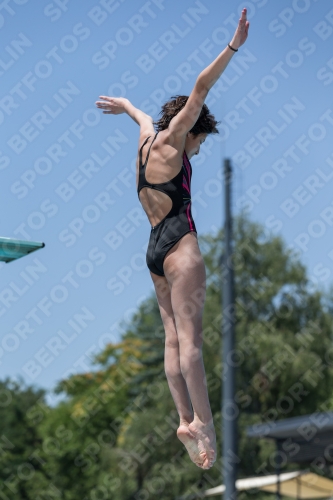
point(67, 171)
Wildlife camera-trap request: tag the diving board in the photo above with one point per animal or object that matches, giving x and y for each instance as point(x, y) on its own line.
point(11, 249)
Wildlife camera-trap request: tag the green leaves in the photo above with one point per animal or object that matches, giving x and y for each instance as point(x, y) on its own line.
point(114, 435)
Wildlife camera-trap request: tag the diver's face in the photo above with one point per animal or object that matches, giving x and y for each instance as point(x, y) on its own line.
point(193, 143)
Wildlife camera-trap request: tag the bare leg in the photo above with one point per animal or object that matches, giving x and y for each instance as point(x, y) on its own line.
point(185, 271)
point(176, 381)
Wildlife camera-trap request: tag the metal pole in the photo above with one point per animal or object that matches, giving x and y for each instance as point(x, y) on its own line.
point(278, 468)
point(298, 488)
point(229, 410)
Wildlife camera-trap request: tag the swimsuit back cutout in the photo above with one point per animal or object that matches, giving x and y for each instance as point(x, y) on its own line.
point(178, 189)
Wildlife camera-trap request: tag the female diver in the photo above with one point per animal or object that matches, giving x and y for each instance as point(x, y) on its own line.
point(173, 256)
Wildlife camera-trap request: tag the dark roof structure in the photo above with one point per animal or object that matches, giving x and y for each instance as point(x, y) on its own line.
point(302, 439)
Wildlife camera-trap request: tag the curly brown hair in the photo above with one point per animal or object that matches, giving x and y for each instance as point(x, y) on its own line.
point(205, 124)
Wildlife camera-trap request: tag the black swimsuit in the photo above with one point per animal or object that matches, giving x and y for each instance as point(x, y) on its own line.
point(178, 221)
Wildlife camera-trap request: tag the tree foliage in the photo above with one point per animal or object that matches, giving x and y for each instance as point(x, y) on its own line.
point(114, 435)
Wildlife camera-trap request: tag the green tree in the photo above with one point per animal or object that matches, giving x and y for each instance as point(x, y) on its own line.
point(114, 435)
point(283, 333)
point(22, 475)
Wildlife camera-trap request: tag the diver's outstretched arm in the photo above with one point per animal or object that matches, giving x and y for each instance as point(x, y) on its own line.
point(212, 73)
point(119, 105)
point(187, 117)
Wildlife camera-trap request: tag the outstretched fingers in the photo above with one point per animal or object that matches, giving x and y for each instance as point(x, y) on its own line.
point(242, 28)
point(243, 19)
point(104, 102)
point(113, 105)
point(106, 98)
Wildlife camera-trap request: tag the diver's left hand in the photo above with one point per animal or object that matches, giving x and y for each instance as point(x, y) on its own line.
point(112, 105)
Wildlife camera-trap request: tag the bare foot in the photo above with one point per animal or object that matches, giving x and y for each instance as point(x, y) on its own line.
point(196, 452)
point(206, 439)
